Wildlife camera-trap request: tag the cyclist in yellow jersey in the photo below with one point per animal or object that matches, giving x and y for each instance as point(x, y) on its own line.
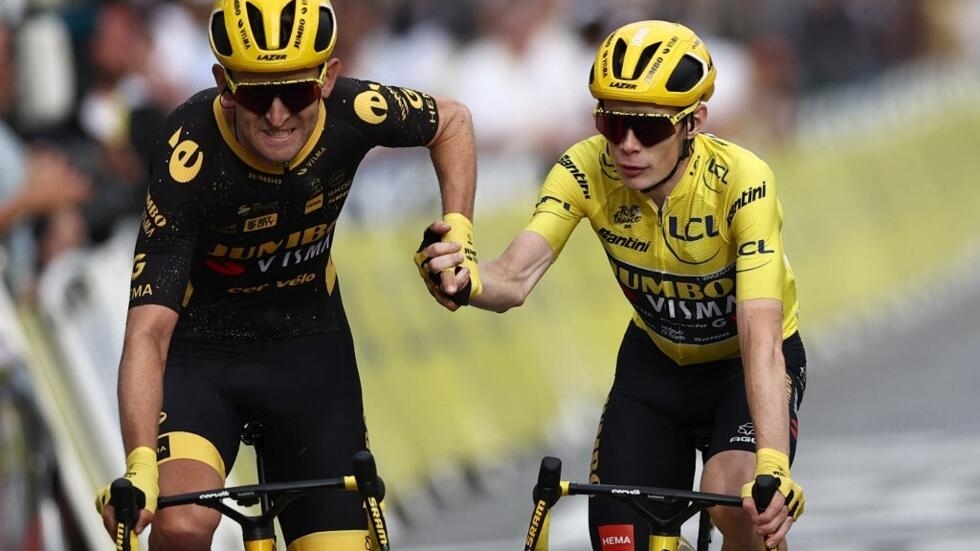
point(690, 223)
point(235, 309)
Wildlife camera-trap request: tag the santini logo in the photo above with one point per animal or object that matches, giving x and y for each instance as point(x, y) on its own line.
point(623, 241)
point(580, 178)
point(747, 197)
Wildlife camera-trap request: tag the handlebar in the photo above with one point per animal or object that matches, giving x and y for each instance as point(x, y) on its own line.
point(550, 488)
point(126, 500)
point(372, 490)
point(764, 489)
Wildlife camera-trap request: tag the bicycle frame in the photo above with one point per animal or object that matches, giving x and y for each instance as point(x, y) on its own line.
point(665, 532)
point(258, 531)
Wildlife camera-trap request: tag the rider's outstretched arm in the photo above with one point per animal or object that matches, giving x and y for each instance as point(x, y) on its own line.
point(509, 278)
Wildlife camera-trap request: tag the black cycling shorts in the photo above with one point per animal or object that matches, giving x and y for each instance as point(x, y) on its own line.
point(305, 392)
point(659, 413)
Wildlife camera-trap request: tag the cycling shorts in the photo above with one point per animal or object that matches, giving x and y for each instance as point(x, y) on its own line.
point(658, 414)
point(306, 394)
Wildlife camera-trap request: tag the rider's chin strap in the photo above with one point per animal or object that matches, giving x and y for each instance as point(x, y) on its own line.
point(685, 153)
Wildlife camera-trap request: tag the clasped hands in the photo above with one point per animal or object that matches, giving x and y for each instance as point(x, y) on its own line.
point(447, 261)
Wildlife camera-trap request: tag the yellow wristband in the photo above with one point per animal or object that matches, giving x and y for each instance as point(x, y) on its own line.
point(143, 455)
point(461, 231)
point(770, 461)
point(141, 469)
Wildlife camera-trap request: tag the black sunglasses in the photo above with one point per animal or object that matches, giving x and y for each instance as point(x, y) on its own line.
point(649, 128)
point(257, 97)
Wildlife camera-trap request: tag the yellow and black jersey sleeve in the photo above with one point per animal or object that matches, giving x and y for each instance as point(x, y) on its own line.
point(388, 116)
point(169, 225)
point(567, 195)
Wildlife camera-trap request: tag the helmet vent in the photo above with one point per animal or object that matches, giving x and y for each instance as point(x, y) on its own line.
point(258, 27)
point(222, 44)
point(619, 55)
point(686, 75)
point(325, 30)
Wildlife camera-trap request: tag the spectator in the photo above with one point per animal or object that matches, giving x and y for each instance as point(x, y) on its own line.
point(179, 53)
point(120, 114)
point(37, 184)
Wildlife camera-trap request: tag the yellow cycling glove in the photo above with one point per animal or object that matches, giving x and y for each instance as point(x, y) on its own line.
point(776, 464)
point(141, 470)
point(461, 231)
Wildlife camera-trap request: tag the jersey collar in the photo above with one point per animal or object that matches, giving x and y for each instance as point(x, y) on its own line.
point(228, 134)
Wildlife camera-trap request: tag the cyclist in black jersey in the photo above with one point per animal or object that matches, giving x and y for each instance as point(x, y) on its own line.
point(691, 225)
point(235, 310)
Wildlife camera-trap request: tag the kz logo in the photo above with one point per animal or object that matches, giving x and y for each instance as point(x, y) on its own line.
point(747, 432)
point(627, 214)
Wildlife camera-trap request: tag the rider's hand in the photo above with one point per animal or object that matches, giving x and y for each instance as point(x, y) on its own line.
point(787, 504)
point(141, 470)
point(447, 261)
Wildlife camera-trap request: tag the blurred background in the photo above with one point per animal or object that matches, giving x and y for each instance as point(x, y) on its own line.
point(868, 110)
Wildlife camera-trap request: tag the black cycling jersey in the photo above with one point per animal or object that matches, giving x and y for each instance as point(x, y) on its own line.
point(241, 247)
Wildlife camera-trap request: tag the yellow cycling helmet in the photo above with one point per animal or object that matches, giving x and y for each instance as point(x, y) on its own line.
point(266, 36)
point(653, 62)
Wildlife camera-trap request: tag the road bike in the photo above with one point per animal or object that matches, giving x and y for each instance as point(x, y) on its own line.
point(258, 530)
point(665, 527)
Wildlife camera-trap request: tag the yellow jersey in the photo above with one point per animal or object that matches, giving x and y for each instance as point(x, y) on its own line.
point(684, 267)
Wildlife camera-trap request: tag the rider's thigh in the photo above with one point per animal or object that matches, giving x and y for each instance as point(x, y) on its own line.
point(725, 473)
point(185, 527)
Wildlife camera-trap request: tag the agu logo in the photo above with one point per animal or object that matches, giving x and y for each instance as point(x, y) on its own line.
point(746, 433)
point(616, 537)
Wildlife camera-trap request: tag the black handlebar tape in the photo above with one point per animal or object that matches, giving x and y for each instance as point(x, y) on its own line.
point(372, 491)
point(549, 480)
point(762, 491)
point(546, 492)
point(366, 475)
point(127, 501)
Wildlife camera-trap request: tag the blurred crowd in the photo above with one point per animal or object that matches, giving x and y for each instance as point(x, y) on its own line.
point(85, 84)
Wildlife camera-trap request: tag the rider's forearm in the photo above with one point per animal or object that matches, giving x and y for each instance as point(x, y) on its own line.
point(140, 390)
point(140, 393)
point(501, 289)
point(453, 153)
point(509, 279)
point(765, 377)
point(766, 389)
